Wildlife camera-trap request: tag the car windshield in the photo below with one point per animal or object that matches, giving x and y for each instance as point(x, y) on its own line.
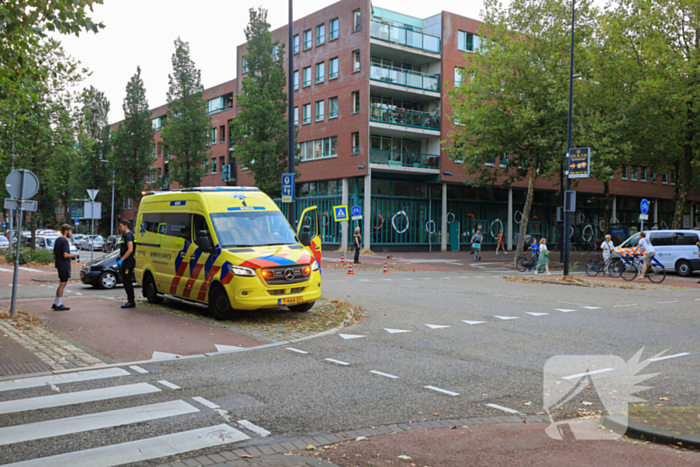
point(50, 241)
point(3, 238)
point(252, 228)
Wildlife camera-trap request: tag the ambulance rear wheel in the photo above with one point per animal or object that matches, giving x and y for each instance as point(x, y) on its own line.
point(219, 304)
point(150, 291)
point(302, 308)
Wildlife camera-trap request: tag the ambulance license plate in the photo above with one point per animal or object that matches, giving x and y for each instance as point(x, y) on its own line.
point(291, 300)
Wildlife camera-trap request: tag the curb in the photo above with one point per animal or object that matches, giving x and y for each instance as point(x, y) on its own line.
point(634, 429)
point(543, 281)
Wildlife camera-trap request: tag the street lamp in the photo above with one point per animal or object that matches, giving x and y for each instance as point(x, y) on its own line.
point(111, 219)
point(567, 212)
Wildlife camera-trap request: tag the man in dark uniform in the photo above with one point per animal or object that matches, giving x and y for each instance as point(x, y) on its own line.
point(61, 251)
point(127, 262)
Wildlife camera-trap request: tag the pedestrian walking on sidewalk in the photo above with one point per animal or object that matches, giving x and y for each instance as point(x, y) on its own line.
point(499, 243)
point(477, 238)
point(649, 252)
point(127, 262)
point(543, 260)
point(63, 257)
point(608, 246)
point(357, 243)
point(534, 253)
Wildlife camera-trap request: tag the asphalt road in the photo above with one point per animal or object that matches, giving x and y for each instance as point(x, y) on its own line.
point(496, 357)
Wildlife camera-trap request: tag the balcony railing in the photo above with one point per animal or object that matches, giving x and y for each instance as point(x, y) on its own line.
point(404, 117)
point(403, 36)
point(406, 78)
point(404, 158)
point(220, 109)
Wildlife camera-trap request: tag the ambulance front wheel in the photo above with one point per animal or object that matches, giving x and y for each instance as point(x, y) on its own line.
point(219, 303)
point(302, 308)
point(150, 291)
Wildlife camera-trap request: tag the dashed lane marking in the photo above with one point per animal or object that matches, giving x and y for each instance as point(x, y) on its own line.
point(536, 314)
point(472, 323)
point(500, 407)
point(506, 317)
point(254, 428)
point(338, 362)
point(364, 280)
point(383, 374)
point(591, 307)
point(297, 350)
point(444, 391)
point(588, 373)
point(138, 369)
point(205, 402)
point(663, 303)
point(620, 306)
point(395, 331)
point(350, 336)
point(168, 384)
point(564, 310)
point(437, 326)
point(683, 354)
point(77, 293)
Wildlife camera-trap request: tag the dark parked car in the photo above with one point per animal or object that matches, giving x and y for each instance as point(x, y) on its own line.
point(102, 272)
point(112, 242)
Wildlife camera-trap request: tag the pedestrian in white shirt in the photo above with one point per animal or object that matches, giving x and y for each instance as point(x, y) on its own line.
point(608, 246)
point(649, 252)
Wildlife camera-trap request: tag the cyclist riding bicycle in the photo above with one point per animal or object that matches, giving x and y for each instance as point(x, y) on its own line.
point(649, 252)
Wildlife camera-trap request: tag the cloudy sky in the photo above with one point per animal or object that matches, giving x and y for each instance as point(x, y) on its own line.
point(141, 32)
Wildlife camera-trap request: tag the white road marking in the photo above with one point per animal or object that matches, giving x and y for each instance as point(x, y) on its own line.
point(672, 301)
point(472, 323)
point(536, 314)
point(6, 270)
point(203, 401)
point(364, 280)
point(63, 378)
point(168, 384)
point(337, 361)
point(383, 374)
point(79, 397)
point(591, 307)
point(669, 356)
point(506, 317)
point(408, 286)
point(163, 356)
point(28, 269)
point(588, 373)
point(437, 326)
point(500, 407)
point(254, 428)
point(69, 291)
point(427, 278)
point(144, 449)
point(564, 310)
point(407, 279)
point(350, 336)
point(620, 306)
point(227, 348)
point(77, 293)
point(138, 369)
point(93, 421)
point(445, 278)
point(387, 280)
point(444, 391)
point(571, 303)
point(395, 331)
point(296, 350)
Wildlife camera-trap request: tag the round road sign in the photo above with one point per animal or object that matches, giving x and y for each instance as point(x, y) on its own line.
point(19, 190)
point(644, 206)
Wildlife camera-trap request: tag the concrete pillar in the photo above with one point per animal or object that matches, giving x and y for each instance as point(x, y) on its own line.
point(367, 212)
point(614, 209)
point(656, 212)
point(509, 224)
point(443, 222)
point(344, 202)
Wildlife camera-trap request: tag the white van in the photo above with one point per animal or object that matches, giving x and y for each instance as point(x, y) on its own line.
point(676, 249)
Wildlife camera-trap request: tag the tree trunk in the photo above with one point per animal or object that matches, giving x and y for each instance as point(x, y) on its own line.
point(526, 210)
point(606, 208)
point(684, 178)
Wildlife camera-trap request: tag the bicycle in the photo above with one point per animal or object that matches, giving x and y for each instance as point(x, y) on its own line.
point(613, 267)
point(656, 272)
point(523, 263)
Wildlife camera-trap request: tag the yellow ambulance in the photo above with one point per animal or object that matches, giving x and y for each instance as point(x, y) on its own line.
point(226, 249)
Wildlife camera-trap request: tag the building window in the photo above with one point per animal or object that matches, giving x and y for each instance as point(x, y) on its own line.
point(673, 178)
point(357, 20)
point(333, 68)
point(652, 177)
point(307, 76)
point(320, 34)
point(244, 66)
point(296, 43)
point(624, 172)
point(335, 28)
point(355, 102)
point(275, 52)
point(213, 136)
point(318, 149)
point(320, 110)
point(333, 107)
point(491, 162)
point(503, 160)
point(296, 116)
point(320, 72)
point(468, 41)
point(154, 150)
point(634, 173)
point(296, 79)
point(213, 165)
point(307, 39)
point(306, 109)
point(459, 73)
point(356, 61)
point(643, 178)
point(664, 179)
point(356, 143)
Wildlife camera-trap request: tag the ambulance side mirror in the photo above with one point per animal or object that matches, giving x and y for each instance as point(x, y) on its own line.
point(203, 241)
point(305, 237)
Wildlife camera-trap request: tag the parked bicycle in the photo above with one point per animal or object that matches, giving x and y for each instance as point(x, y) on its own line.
point(525, 263)
point(613, 267)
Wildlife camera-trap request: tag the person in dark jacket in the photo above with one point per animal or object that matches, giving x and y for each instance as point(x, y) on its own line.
point(61, 251)
point(127, 262)
point(357, 243)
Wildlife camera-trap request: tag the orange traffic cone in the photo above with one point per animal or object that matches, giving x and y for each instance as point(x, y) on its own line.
point(386, 270)
point(342, 258)
point(350, 268)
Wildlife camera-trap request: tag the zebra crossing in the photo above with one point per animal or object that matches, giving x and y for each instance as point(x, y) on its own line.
point(130, 428)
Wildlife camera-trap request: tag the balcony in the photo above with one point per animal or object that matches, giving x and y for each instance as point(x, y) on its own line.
point(405, 37)
point(404, 159)
point(409, 79)
point(405, 118)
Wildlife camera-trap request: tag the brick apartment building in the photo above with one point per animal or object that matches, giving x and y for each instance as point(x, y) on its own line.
point(370, 101)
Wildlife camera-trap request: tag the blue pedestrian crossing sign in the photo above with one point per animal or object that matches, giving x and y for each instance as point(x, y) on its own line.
point(644, 206)
point(340, 213)
point(287, 188)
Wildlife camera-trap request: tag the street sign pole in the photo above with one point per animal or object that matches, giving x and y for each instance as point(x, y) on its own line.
point(19, 240)
point(567, 214)
point(291, 167)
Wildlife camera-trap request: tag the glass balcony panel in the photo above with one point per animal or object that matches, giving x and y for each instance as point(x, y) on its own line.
point(431, 43)
point(431, 82)
point(404, 158)
point(414, 39)
point(397, 35)
point(407, 37)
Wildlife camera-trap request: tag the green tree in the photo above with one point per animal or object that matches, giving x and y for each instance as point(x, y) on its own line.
point(186, 131)
point(260, 130)
point(133, 141)
point(513, 100)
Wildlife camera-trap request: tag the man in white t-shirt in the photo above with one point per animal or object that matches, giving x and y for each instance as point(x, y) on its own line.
point(649, 252)
point(608, 246)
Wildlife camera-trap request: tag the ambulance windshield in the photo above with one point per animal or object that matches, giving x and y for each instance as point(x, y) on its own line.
point(252, 228)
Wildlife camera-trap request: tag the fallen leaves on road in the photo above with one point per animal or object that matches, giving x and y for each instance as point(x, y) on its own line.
point(664, 399)
point(310, 447)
